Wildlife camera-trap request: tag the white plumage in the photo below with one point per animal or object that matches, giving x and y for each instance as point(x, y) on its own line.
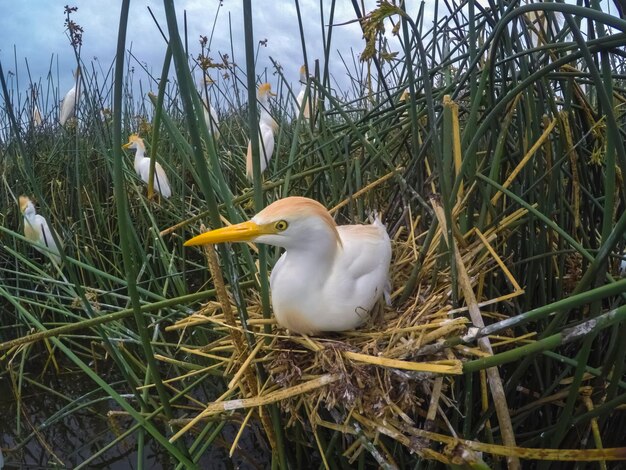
point(267, 127)
point(37, 230)
point(306, 112)
point(142, 166)
point(36, 115)
point(211, 119)
point(68, 107)
point(329, 277)
point(37, 121)
point(210, 115)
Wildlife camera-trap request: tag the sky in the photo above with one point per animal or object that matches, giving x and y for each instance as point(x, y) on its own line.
point(36, 29)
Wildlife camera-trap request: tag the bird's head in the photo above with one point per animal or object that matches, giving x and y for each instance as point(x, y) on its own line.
point(134, 142)
point(26, 206)
point(291, 222)
point(265, 90)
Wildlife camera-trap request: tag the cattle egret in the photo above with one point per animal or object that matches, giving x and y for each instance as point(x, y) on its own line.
point(37, 230)
point(329, 277)
point(36, 115)
point(306, 112)
point(210, 115)
point(37, 121)
point(267, 127)
point(68, 107)
point(142, 166)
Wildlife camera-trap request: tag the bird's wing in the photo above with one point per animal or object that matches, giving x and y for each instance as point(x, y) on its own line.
point(212, 121)
point(366, 255)
point(143, 169)
point(46, 236)
point(268, 145)
point(300, 98)
point(43, 236)
point(161, 182)
point(214, 115)
point(67, 107)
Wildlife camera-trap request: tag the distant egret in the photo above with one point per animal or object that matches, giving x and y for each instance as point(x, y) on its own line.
point(330, 277)
point(37, 120)
point(267, 127)
point(306, 112)
point(37, 230)
point(68, 107)
point(142, 166)
point(36, 115)
point(210, 115)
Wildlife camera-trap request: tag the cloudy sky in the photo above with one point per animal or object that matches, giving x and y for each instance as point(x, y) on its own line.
point(36, 29)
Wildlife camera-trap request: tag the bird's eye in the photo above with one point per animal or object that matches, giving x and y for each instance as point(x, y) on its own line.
point(281, 225)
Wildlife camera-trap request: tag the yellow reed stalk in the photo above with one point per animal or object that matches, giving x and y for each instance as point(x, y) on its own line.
point(240, 432)
point(518, 339)
point(245, 364)
point(564, 455)
point(573, 156)
point(456, 139)
point(505, 270)
point(262, 400)
point(525, 160)
point(493, 374)
point(444, 330)
point(366, 189)
point(436, 367)
point(388, 430)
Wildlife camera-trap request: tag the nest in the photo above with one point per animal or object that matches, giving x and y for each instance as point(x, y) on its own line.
point(391, 376)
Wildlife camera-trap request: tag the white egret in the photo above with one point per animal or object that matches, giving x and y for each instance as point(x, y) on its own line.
point(210, 115)
point(142, 166)
point(306, 112)
point(37, 230)
point(37, 120)
point(330, 277)
point(36, 115)
point(267, 127)
point(68, 107)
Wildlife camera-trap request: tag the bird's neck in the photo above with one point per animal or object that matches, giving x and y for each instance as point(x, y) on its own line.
point(140, 154)
point(319, 251)
point(265, 119)
point(30, 217)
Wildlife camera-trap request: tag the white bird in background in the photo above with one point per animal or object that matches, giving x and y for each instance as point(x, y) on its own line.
point(37, 230)
point(306, 112)
point(36, 115)
point(329, 277)
point(210, 115)
point(37, 121)
point(267, 127)
point(142, 166)
point(68, 107)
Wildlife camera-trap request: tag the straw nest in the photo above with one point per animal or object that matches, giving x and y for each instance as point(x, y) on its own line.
point(390, 376)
